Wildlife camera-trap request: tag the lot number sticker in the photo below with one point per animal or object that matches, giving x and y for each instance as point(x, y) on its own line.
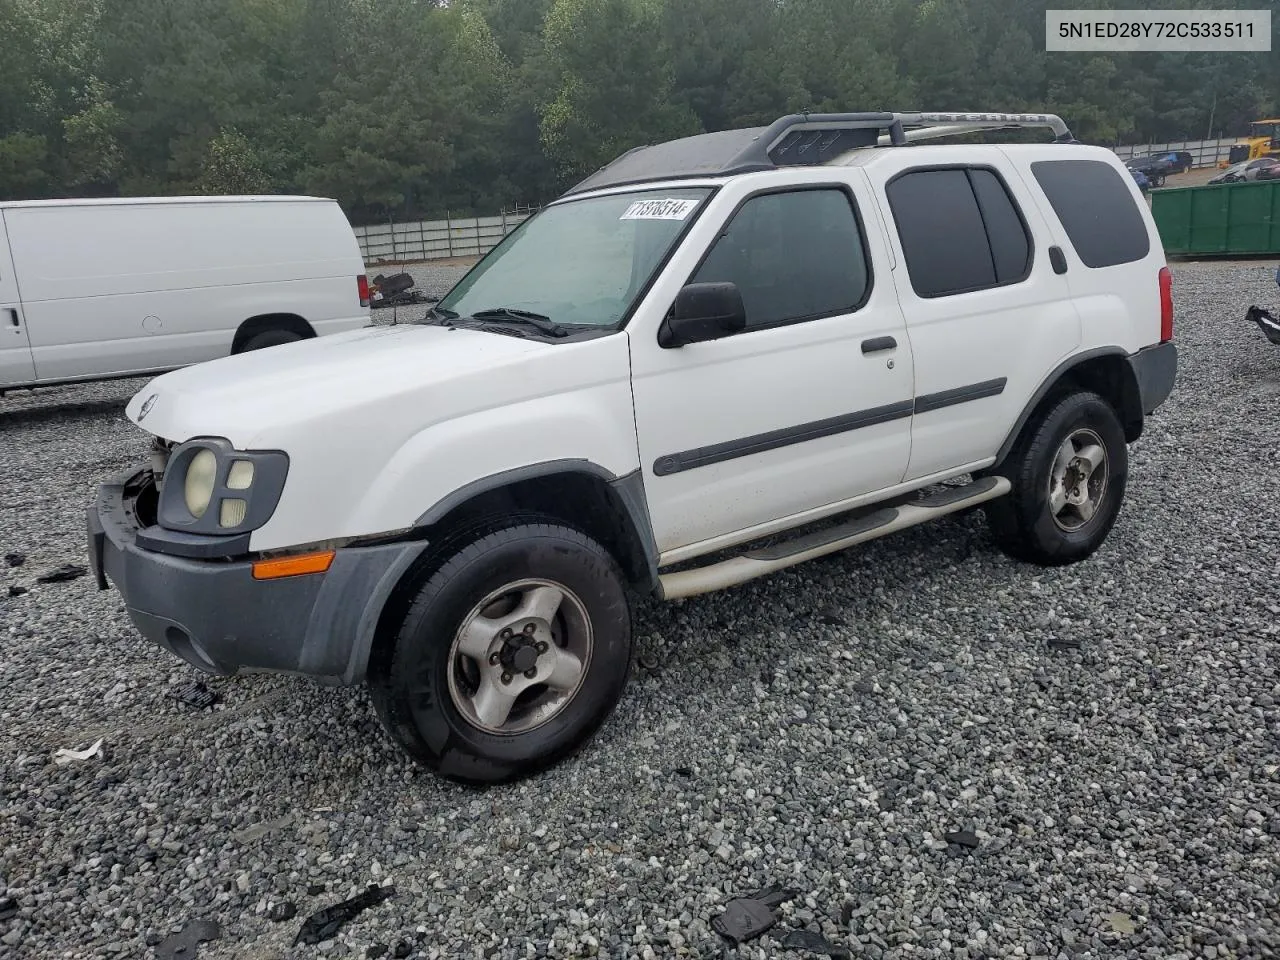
point(659, 210)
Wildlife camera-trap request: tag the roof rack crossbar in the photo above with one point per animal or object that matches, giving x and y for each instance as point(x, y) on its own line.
point(801, 139)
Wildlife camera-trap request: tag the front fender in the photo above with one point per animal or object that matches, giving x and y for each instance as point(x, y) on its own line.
point(594, 427)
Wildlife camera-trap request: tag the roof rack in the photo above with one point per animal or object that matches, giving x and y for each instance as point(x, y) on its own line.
point(800, 139)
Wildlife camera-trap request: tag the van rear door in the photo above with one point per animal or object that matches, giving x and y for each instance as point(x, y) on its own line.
point(16, 365)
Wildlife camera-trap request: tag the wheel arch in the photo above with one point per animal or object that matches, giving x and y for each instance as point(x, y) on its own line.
point(1106, 371)
point(583, 495)
point(263, 322)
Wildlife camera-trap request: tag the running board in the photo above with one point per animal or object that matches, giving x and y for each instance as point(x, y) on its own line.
point(809, 546)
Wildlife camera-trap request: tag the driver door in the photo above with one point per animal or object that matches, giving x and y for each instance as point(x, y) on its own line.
point(807, 407)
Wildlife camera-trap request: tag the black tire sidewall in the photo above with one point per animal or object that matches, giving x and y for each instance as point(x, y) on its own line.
point(270, 338)
point(418, 680)
point(1031, 481)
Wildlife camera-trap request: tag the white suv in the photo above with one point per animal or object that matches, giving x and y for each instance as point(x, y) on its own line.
point(713, 359)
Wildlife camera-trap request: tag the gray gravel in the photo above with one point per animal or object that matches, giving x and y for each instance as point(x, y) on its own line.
point(822, 729)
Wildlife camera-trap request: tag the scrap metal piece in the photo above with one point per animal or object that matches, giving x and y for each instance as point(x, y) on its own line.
point(182, 945)
point(194, 694)
point(323, 924)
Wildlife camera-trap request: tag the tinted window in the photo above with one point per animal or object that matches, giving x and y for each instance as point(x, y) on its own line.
point(793, 255)
point(1010, 246)
point(1096, 209)
point(959, 230)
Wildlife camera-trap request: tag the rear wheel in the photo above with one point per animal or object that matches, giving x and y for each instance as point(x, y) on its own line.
point(270, 338)
point(510, 657)
point(1068, 470)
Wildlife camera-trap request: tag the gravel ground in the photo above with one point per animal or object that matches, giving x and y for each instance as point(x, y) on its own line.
point(823, 730)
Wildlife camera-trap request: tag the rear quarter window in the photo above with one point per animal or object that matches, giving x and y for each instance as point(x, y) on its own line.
point(1097, 210)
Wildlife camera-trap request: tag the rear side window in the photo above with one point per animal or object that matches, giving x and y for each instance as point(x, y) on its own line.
point(960, 230)
point(1096, 209)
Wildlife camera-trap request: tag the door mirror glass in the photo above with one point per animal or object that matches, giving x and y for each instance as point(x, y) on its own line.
point(703, 311)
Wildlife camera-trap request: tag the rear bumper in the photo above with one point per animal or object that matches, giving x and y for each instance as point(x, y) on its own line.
point(1156, 368)
point(214, 615)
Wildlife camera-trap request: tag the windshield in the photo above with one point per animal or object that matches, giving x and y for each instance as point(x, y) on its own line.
point(581, 262)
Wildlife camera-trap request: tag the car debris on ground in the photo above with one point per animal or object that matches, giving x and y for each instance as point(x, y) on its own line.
point(323, 924)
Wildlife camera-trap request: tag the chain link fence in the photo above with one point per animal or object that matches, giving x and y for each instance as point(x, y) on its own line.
point(445, 239)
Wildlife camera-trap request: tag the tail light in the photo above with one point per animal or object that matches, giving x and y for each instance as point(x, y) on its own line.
point(362, 284)
point(1166, 305)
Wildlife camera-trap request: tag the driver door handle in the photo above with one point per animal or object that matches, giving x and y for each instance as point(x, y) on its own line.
point(876, 344)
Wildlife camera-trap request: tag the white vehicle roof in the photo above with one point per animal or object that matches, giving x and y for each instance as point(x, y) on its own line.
point(135, 201)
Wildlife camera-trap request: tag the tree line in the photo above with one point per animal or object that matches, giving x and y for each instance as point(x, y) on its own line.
point(404, 108)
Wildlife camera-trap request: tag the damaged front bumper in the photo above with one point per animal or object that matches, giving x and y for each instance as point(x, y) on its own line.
point(211, 612)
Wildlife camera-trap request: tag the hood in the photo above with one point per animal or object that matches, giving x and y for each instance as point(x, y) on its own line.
point(249, 395)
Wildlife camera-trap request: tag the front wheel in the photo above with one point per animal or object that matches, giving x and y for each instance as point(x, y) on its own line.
point(1068, 470)
point(511, 656)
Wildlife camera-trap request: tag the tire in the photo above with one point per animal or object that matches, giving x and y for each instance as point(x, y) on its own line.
point(442, 705)
point(270, 338)
point(1024, 523)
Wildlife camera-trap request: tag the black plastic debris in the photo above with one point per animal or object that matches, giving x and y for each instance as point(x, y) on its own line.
point(16, 591)
point(316, 889)
point(815, 943)
point(684, 771)
point(194, 694)
point(1064, 643)
point(962, 838)
point(182, 945)
point(376, 950)
point(15, 559)
point(846, 914)
point(748, 917)
point(68, 571)
point(8, 908)
point(323, 924)
point(402, 949)
point(280, 912)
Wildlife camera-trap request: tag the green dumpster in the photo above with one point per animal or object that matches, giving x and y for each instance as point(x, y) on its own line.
point(1219, 220)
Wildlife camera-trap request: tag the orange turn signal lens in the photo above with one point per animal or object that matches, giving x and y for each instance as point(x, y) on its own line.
point(293, 566)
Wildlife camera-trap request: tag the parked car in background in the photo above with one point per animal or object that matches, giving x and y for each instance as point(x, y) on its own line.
point(1154, 167)
point(96, 289)
point(1264, 168)
point(1179, 161)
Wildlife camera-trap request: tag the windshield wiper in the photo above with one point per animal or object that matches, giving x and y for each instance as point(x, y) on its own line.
point(438, 315)
point(512, 315)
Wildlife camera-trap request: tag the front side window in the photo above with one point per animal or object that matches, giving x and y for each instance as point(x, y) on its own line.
point(582, 262)
point(794, 256)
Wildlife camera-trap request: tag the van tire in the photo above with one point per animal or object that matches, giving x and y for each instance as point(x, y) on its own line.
point(1025, 523)
point(269, 338)
point(431, 697)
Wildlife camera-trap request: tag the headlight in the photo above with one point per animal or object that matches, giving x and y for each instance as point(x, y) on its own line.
point(197, 489)
point(216, 489)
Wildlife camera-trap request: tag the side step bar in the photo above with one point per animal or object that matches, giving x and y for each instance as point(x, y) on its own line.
point(871, 526)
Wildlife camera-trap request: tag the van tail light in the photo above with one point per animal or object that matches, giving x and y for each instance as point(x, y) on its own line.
point(362, 284)
point(1166, 305)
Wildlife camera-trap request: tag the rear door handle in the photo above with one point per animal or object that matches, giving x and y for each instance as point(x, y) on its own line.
point(13, 316)
point(1058, 260)
point(876, 344)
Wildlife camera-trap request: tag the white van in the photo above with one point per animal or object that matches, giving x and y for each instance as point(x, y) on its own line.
point(96, 289)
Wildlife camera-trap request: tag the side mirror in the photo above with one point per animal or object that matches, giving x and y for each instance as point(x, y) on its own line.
point(703, 311)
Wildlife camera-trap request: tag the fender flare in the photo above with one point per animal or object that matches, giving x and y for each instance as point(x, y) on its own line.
point(1051, 381)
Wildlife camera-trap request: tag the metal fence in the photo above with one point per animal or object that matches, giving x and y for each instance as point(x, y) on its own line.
point(1204, 153)
point(436, 239)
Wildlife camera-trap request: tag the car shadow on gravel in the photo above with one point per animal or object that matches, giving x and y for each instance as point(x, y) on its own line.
point(60, 412)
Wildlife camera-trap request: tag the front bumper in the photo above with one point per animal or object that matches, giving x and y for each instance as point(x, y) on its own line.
point(214, 615)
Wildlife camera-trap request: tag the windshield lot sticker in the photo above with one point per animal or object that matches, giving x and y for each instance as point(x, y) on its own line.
point(659, 210)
